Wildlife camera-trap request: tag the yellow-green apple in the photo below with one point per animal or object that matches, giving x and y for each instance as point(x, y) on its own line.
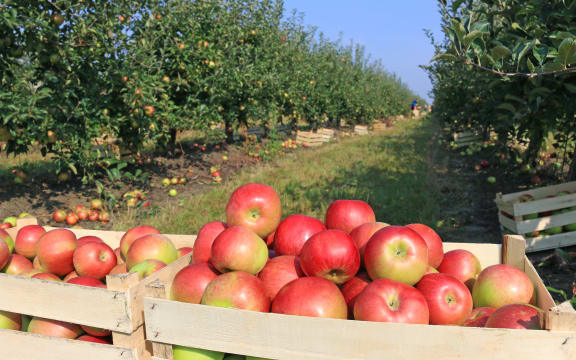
point(345, 215)
point(239, 249)
point(59, 216)
point(434, 242)
point(449, 300)
point(46, 276)
point(184, 250)
point(188, 353)
point(278, 272)
point(256, 358)
point(397, 253)
point(500, 285)
point(26, 240)
point(238, 290)
point(25, 322)
point(332, 255)
point(55, 328)
point(190, 282)
point(362, 233)
point(516, 316)
point(55, 250)
point(7, 239)
point(86, 281)
point(155, 246)
point(293, 232)
point(204, 240)
point(17, 264)
point(147, 267)
point(234, 357)
point(11, 220)
point(95, 339)
point(88, 239)
point(386, 300)
point(10, 321)
point(96, 204)
point(94, 259)
point(311, 296)
point(131, 235)
point(4, 254)
point(256, 207)
point(461, 264)
point(352, 288)
point(70, 275)
point(479, 316)
point(527, 198)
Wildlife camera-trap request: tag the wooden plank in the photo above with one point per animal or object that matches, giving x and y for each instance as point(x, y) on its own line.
point(157, 290)
point(487, 254)
point(514, 251)
point(67, 302)
point(508, 223)
point(547, 222)
point(542, 192)
point(543, 298)
point(16, 345)
point(562, 317)
point(546, 204)
point(294, 337)
point(551, 241)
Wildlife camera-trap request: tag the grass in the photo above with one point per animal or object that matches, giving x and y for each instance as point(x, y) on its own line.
point(389, 170)
point(33, 163)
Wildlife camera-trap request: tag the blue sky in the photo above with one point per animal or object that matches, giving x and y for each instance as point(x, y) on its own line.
point(390, 30)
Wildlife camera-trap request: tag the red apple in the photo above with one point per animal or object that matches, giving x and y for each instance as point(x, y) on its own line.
point(434, 242)
point(83, 214)
point(204, 240)
point(119, 256)
point(94, 259)
point(449, 300)
point(184, 250)
point(278, 272)
point(387, 300)
point(55, 328)
point(431, 270)
point(361, 234)
point(239, 249)
point(38, 265)
point(55, 250)
point(78, 209)
point(461, 264)
point(88, 239)
point(293, 232)
point(26, 240)
point(94, 215)
point(94, 339)
point(147, 267)
point(256, 207)
point(10, 321)
point(6, 225)
point(516, 316)
point(397, 253)
point(155, 246)
point(70, 275)
point(345, 215)
point(270, 239)
point(352, 288)
point(17, 264)
point(86, 281)
point(118, 269)
point(330, 254)
point(72, 219)
point(190, 282)
point(59, 216)
point(104, 217)
point(131, 235)
point(46, 276)
point(478, 317)
point(4, 236)
point(500, 285)
point(238, 290)
point(30, 273)
point(311, 296)
point(4, 254)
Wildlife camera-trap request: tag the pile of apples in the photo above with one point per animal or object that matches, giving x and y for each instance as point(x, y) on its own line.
point(10, 221)
point(215, 173)
point(347, 267)
point(136, 198)
point(94, 213)
point(58, 255)
point(290, 144)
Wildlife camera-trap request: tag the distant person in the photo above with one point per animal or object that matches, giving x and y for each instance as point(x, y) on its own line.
point(413, 108)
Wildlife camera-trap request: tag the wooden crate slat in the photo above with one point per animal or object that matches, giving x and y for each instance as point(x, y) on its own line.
point(508, 223)
point(17, 345)
point(309, 138)
point(562, 317)
point(547, 242)
point(543, 223)
point(541, 192)
point(547, 204)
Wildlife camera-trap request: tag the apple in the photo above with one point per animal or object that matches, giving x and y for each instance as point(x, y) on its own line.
point(4, 236)
point(434, 242)
point(397, 253)
point(86, 281)
point(256, 207)
point(154, 246)
point(184, 250)
point(78, 208)
point(239, 249)
point(190, 282)
point(188, 353)
point(11, 220)
point(10, 321)
point(88, 239)
point(4, 226)
point(131, 235)
point(345, 215)
point(238, 290)
point(278, 272)
point(55, 250)
point(119, 257)
point(352, 288)
point(37, 265)
point(431, 270)
point(270, 239)
point(30, 273)
point(330, 254)
point(25, 322)
point(361, 234)
point(55, 328)
point(204, 240)
point(94, 259)
point(46, 276)
point(174, 181)
point(26, 240)
point(118, 269)
point(147, 267)
point(83, 214)
point(235, 357)
point(104, 217)
point(461, 264)
point(478, 317)
point(386, 300)
point(449, 300)
point(17, 264)
point(166, 182)
point(500, 285)
point(94, 339)
point(24, 215)
point(311, 296)
point(70, 275)
point(72, 219)
point(96, 204)
point(516, 316)
point(59, 216)
point(293, 232)
point(173, 192)
point(94, 215)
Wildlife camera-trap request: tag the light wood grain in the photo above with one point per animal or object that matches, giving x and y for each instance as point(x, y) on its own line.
point(547, 222)
point(547, 242)
point(542, 192)
point(514, 251)
point(157, 290)
point(562, 317)
point(547, 204)
point(543, 298)
point(487, 254)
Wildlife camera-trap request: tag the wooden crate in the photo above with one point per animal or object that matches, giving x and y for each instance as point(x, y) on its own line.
point(379, 126)
point(360, 129)
point(467, 138)
point(255, 131)
point(309, 138)
point(284, 128)
point(327, 134)
point(117, 308)
point(513, 215)
point(281, 337)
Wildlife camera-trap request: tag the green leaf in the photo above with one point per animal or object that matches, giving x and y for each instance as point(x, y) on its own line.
point(527, 47)
point(507, 106)
point(500, 51)
point(566, 50)
point(473, 35)
point(73, 168)
point(530, 65)
point(459, 30)
point(540, 53)
point(553, 66)
point(571, 88)
point(444, 56)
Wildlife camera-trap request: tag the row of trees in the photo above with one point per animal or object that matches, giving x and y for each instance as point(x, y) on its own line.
point(71, 71)
point(509, 66)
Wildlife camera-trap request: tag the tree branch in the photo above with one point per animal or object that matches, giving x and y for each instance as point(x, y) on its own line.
point(520, 74)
